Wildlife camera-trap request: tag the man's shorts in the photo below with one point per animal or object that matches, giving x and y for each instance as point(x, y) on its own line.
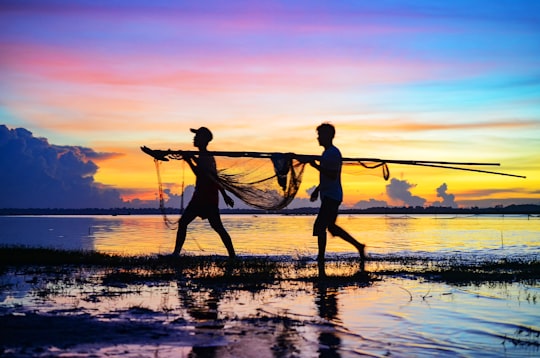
point(327, 215)
point(204, 211)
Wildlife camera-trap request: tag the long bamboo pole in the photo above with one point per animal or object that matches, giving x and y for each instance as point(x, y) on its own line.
point(178, 154)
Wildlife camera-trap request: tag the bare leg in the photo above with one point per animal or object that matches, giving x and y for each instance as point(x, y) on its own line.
point(335, 230)
point(185, 220)
point(321, 240)
point(217, 225)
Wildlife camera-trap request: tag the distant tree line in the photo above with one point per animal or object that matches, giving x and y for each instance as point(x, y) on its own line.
point(527, 209)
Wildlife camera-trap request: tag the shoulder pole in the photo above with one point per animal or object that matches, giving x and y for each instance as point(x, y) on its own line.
point(179, 154)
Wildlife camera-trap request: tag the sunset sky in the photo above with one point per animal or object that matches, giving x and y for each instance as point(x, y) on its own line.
point(414, 80)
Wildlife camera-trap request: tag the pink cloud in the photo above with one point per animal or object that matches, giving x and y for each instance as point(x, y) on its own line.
point(405, 125)
point(214, 73)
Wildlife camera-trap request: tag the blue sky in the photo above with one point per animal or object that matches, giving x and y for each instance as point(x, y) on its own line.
point(426, 80)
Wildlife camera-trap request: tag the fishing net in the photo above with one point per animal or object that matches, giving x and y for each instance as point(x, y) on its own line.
point(269, 184)
point(263, 183)
point(270, 181)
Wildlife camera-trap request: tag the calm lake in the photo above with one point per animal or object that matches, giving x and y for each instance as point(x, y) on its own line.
point(398, 316)
point(466, 236)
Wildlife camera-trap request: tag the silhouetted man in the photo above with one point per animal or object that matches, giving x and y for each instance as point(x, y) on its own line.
point(331, 194)
point(205, 200)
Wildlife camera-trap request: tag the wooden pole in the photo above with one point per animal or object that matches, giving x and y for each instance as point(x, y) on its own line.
point(179, 154)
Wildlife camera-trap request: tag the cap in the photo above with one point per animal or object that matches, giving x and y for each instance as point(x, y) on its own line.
point(204, 133)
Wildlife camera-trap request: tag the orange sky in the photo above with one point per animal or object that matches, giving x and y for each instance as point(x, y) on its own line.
point(444, 82)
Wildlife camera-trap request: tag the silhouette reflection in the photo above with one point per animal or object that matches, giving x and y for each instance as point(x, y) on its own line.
point(326, 291)
point(207, 302)
point(327, 305)
point(202, 305)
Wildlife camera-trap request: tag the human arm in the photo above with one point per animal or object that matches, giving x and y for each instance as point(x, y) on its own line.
point(330, 173)
point(228, 200)
point(193, 164)
point(329, 164)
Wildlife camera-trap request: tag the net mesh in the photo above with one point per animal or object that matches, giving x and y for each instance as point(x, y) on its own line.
point(262, 183)
point(269, 184)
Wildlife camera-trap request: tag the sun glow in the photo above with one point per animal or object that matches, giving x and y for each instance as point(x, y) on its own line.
point(263, 78)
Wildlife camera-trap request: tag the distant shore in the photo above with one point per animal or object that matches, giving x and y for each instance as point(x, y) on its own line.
point(532, 210)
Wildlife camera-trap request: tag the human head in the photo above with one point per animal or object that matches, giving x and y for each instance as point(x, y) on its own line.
point(326, 133)
point(327, 128)
point(203, 134)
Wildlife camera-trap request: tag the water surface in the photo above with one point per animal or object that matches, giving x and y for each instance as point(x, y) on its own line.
point(398, 316)
point(496, 236)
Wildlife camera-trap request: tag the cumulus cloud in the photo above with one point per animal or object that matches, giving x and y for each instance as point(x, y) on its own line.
point(400, 190)
point(36, 174)
point(304, 202)
point(448, 199)
point(174, 200)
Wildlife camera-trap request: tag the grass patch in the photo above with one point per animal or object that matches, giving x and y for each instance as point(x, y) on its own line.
point(256, 271)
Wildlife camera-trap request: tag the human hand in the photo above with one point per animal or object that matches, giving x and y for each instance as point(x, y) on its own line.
point(229, 201)
point(314, 195)
point(304, 159)
point(187, 155)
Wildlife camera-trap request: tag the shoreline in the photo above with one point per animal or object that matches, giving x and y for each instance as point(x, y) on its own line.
point(529, 210)
point(275, 268)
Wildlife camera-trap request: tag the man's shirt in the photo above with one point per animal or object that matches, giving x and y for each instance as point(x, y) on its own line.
point(328, 187)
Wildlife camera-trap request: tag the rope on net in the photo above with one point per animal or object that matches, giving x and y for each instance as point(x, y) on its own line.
point(267, 185)
point(173, 225)
point(273, 184)
point(385, 170)
point(263, 191)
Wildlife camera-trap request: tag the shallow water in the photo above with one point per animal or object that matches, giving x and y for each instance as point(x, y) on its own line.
point(443, 235)
point(399, 316)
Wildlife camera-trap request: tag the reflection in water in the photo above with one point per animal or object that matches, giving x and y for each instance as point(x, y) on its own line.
point(222, 311)
point(202, 305)
point(62, 232)
point(327, 305)
point(280, 235)
point(202, 300)
point(401, 227)
point(272, 310)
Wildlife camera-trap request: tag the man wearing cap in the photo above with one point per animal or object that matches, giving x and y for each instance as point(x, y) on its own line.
point(205, 200)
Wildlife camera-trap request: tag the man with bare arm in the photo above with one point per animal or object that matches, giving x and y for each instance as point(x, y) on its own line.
point(205, 200)
point(331, 195)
